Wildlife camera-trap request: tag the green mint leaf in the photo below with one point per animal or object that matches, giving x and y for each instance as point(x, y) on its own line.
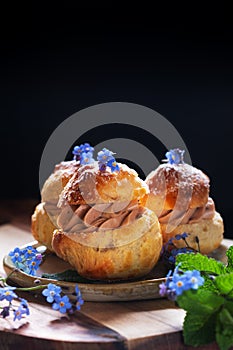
point(200, 262)
point(200, 301)
point(224, 283)
point(229, 255)
point(209, 284)
point(67, 276)
point(224, 329)
point(202, 307)
point(199, 329)
point(209, 309)
point(229, 306)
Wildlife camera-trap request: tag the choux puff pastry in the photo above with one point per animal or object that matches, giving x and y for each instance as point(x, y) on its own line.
point(44, 218)
point(105, 231)
point(179, 195)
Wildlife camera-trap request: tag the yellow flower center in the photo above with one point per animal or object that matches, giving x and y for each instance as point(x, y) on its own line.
point(29, 251)
point(62, 303)
point(193, 280)
point(8, 292)
point(179, 284)
point(114, 164)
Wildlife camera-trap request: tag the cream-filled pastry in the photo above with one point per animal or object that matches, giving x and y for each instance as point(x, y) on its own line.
point(179, 195)
point(44, 218)
point(105, 231)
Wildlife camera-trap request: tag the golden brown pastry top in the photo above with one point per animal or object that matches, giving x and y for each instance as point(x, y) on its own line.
point(169, 181)
point(57, 181)
point(90, 185)
point(67, 169)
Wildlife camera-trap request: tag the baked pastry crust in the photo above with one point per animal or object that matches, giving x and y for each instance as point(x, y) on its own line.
point(208, 231)
point(182, 189)
point(42, 227)
point(54, 185)
point(127, 252)
point(177, 184)
point(89, 185)
point(44, 218)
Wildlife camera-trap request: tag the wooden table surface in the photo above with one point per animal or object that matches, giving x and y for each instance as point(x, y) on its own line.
point(151, 324)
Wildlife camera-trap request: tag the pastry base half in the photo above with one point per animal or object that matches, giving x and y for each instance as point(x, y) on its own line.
point(128, 252)
point(209, 232)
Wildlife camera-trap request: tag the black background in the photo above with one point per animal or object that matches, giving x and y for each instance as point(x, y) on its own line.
point(58, 60)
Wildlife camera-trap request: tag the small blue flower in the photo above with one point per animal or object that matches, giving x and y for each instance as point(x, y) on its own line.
point(168, 278)
point(38, 257)
point(180, 281)
point(194, 279)
point(77, 290)
point(185, 281)
point(22, 310)
point(27, 259)
point(162, 289)
point(178, 284)
point(183, 250)
point(31, 271)
point(172, 259)
point(33, 265)
point(175, 156)
point(7, 293)
point(102, 167)
point(62, 304)
point(16, 255)
point(178, 237)
point(104, 156)
point(1, 292)
point(5, 311)
point(171, 294)
point(113, 165)
point(29, 252)
point(52, 292)
point(79, 150)
point(24, 306)
point(79, 300)
point(86, 158)
point(170, 241)
point(87, 148)
point(34, 262)
point(18, 313)
point(181, 236)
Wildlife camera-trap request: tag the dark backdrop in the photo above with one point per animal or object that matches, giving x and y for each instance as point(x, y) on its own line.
point(58, 60)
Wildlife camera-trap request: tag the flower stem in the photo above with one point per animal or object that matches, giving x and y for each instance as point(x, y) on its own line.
point(188, 246)
point(8, 276)
point(2, 279)
point(28, 289)
point(230, 292)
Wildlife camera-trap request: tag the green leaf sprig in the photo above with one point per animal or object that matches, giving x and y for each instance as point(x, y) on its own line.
point(209, 309)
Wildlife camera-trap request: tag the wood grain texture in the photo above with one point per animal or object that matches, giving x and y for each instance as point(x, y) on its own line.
point(144, 318)
point(135, 325)
point(47, 325)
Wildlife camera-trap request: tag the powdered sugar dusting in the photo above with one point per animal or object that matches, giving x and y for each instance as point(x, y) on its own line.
point(175, 177)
